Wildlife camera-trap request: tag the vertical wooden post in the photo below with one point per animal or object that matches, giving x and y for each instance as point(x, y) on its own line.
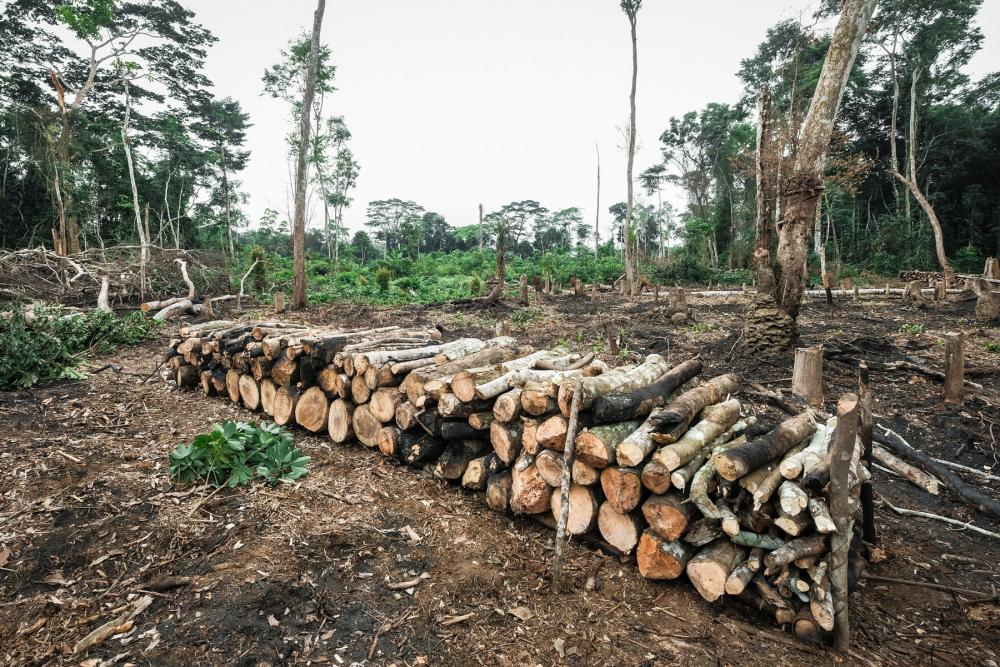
point(656, 292)
point(840, 512)
point(593, 291)
point(279, 302)
point(865, 411)
point(523, 287)
point(940, 294)
point(503, 327)
point(569, 449)
point(807, 375)
point(954, 367)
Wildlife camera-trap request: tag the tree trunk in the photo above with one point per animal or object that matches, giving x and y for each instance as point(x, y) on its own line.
point(299, 224)
point(626, 232)
point(805, 182)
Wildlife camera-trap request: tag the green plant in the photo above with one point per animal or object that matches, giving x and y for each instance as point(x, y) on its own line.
point(912, 329)
point(475, 287)
point(699, 327)
point(54, 344)
point(233, 453)
point(992, 346)
point(524, 315)
point(382, 278)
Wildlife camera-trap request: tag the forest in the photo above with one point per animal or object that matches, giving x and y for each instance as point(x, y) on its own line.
point(742, 411)
point(112, 141)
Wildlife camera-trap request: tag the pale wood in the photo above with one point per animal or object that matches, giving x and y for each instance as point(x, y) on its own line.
point(498, 490)
point(388, 440)
point(565, 500)
point(621, 531)
point(596, 446)
point(619, 380)
point(584, 474)
point(709, 569)
point(529, 492)
point(668, 515)
point(841, 456)
point(716, 420)
point(622, 488)
point(406, 415)
point(267, 391)
point(655, 477)
point(915, 475)
point(583, 507)
point(249, 392)
point(312, 410)
point(550, 466)
point(807, 375)
point(383, 403)
point(284, 405)
point(233, 385)
point(365, 425)
point(508, 405)
point(535, 398)
point(529, 433)
point(672, 421)
point(506, 440)
point(476, 475)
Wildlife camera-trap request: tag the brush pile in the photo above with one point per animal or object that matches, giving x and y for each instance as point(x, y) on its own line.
point(666, 466)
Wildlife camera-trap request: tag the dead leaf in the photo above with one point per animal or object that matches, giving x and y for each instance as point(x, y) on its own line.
point(522, 613)
point(272, 621)
point(4, 556)
point(560, 646)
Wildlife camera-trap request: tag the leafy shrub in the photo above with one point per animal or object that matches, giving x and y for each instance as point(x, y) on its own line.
point(968, 259)
point(475, 287)
point(992, 346)
point(382, 278)
point(912, 329)
point(233, 453)
point(54, 344)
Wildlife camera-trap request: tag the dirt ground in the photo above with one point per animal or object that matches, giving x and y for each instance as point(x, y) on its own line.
point(299, 574)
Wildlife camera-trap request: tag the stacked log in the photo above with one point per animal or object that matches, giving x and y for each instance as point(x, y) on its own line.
point(667, 466)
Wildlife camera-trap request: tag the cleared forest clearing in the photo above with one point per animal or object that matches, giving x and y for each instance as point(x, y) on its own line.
point(309, 572)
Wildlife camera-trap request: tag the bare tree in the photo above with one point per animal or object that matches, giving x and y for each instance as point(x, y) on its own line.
point(805, 180)
point(631, 8)
point(597, 214)
point(299, 224)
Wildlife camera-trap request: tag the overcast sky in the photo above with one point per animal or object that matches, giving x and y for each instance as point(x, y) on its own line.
point(453, 103)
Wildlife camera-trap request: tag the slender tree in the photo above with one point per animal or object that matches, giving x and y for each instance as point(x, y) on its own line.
point(631, 8)
point(299, 222)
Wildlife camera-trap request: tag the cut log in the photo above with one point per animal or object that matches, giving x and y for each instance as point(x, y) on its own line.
point(260, 367)
point(637, 445)
point(619, 380)
point(744, 573)
point(481, 421)
point(455, 459)
point(455, 430)
point(582, 509)
point(450, 406)
point(187, 376)
point(173, 310)
point(792, 499)
point(769, 478)
point(365, 425)
point(498, 490)
point(267, 391)
point(793, 525)
point(506, 440)
point(536, 398)
point(698, 493)
point(205, 377)
point(550, 465)
point(640, 402)
point(668, 515)
point(383, 403)
point(406, 415)
point(671, 422)
point(284, 405)
point(622, 488)
point(388, 440)
point(497, 350)
point(738, 461)
point(285, 369)
point(249, 392)
point(709, 569)
point(681, 477)
point(716, 420)
point(508, 406)
point(792, 467)
point(529, 436)
point(360, 393)
point(702, 532)
point(821, 516)
point(581, 473)
point(529, 492)
point(312, 410)
point(621, 531)
point(475, 476)
point(420, 448)
point(802, 547)
point(656, 477)
point(233, 385)
point(658, 558)
point(596, 446)
point(915, 475)
point(340, 423)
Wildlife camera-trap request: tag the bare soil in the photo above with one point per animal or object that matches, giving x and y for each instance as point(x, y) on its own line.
point(299, 574)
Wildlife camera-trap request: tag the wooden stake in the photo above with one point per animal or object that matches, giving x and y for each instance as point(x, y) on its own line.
point(865, 431)
point(567, 475)
point(954, 367)
point(807, 375)
point(840, 542)
point(279, 302)
point(523, 289)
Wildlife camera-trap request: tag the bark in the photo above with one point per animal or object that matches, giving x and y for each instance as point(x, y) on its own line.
point(622, 488)
point(630, 10)
point(456, 457)
point(299, 221)
point(738, 461)
point(805, 182)
point(709, 569)
point(658, 558)
point(716, 420)
point(639, 403)
point(498, 491)
point(457, 430)
point(668, 515)
point(673, 420)
point(616, 381)
point(340, 423)
point(596, 446)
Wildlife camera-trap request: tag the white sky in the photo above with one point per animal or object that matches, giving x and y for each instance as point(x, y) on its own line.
point(456, 102)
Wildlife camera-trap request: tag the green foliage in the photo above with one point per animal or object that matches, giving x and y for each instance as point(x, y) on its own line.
point(992, 346)
point(258, 277)
point(53, 346)
point(912, 329)
point(475, 286)
point(382, 278)
point(233, 453)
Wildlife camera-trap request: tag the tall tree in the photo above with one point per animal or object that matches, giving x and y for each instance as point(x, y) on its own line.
point(805, 181)
point(391, 219)
point(299, 222)
point(631, 8)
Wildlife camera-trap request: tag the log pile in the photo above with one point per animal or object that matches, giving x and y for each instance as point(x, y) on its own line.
point(668, 467)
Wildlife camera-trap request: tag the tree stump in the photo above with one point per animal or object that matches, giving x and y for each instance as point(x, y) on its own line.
point(807, 375)
point(279, 302)
point(954, 368)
